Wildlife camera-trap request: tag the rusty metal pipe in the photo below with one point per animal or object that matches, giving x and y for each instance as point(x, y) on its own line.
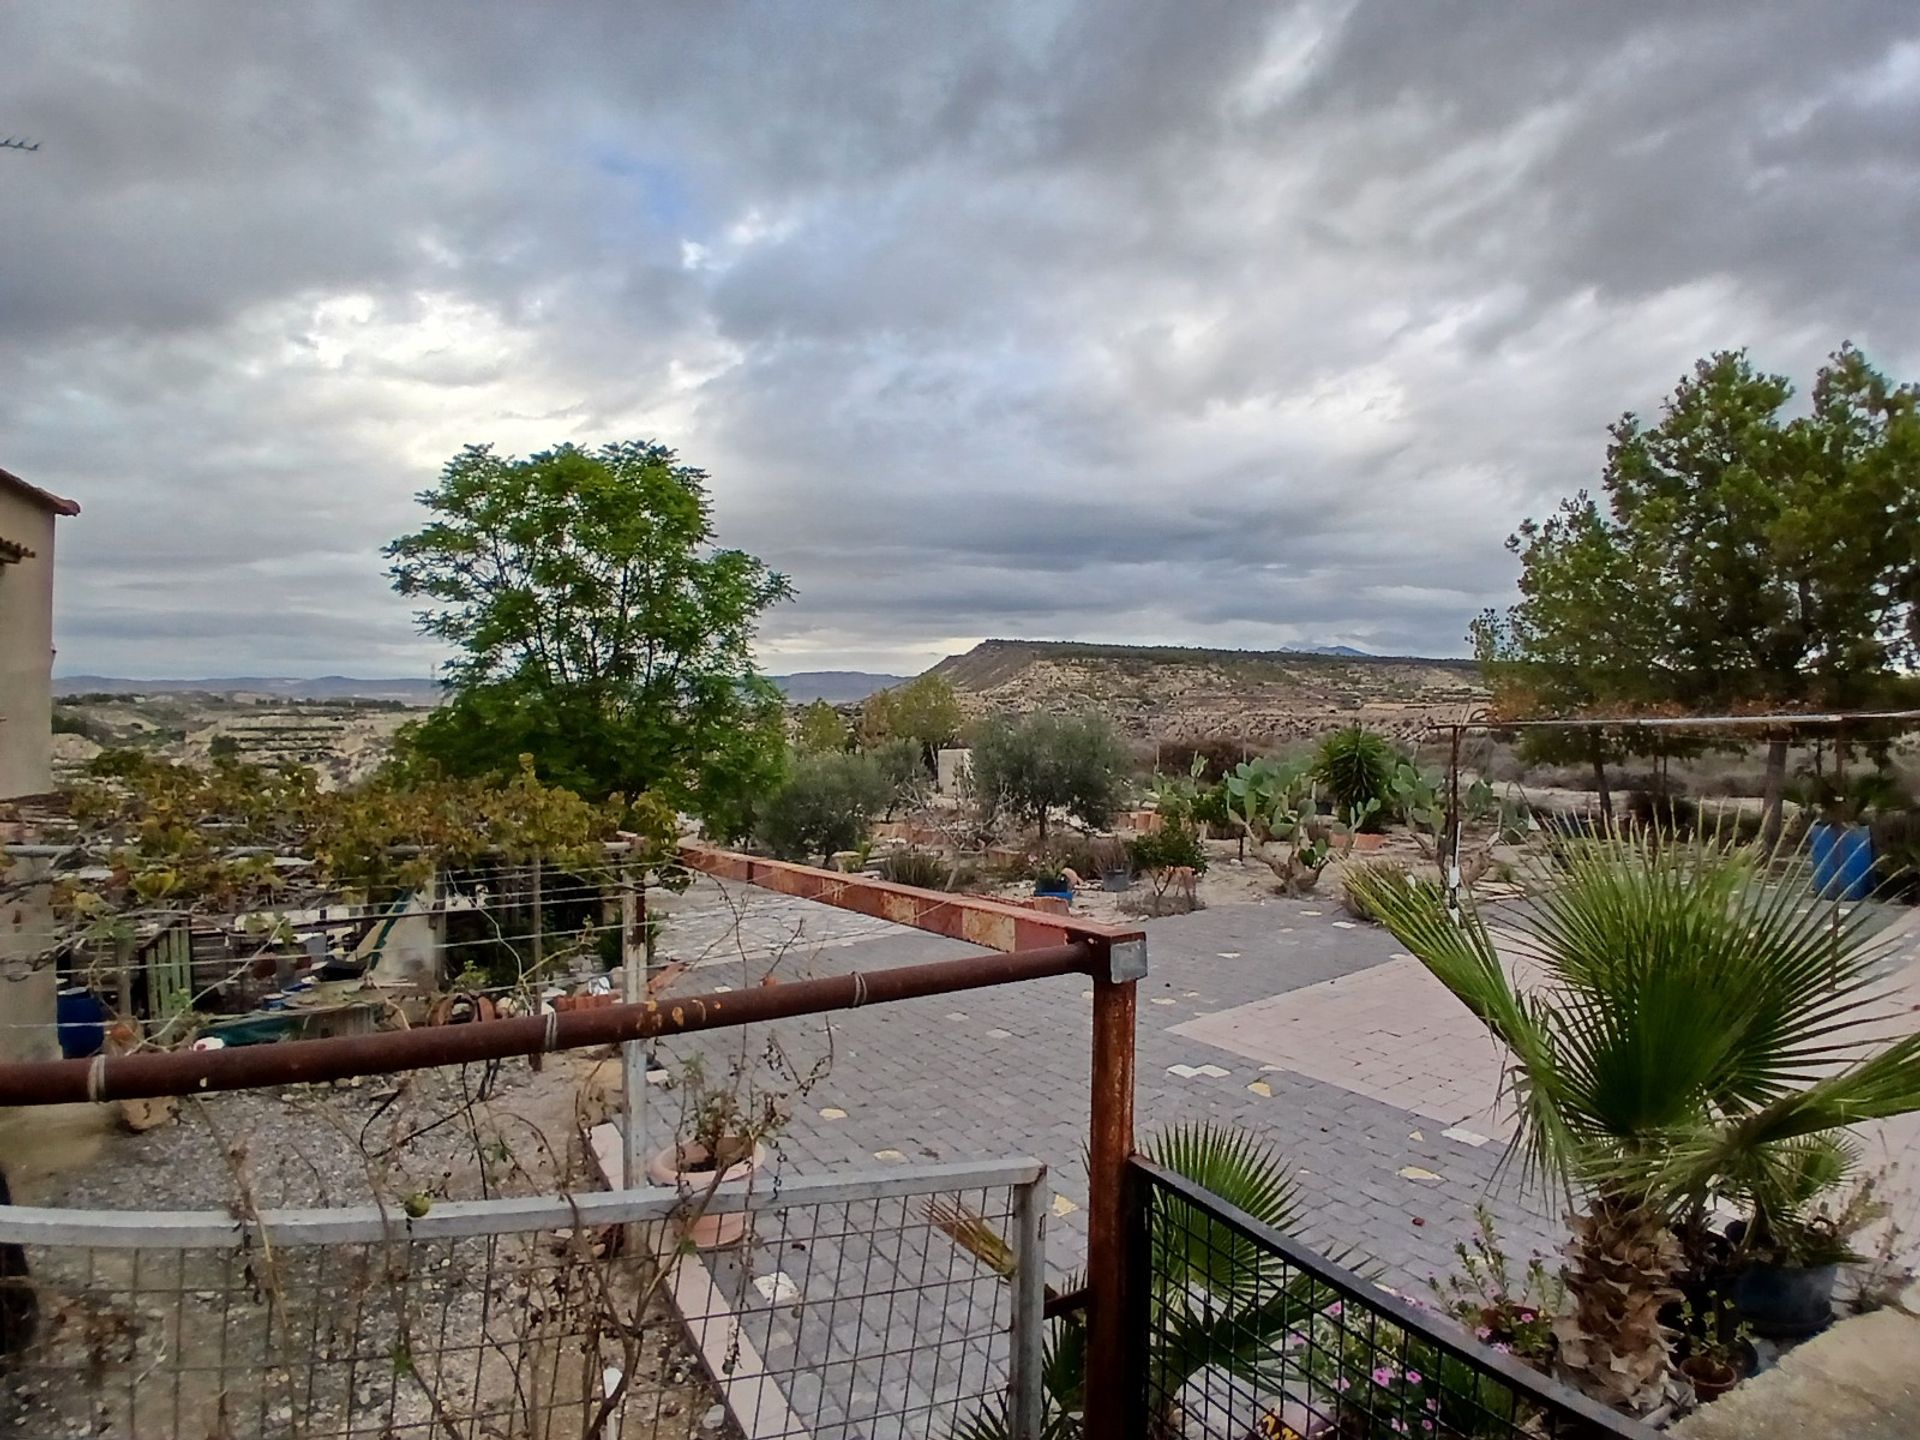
point(1110, 1402)
point(297, 1062)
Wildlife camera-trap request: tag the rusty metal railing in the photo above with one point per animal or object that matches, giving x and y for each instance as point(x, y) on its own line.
point(1031, 945)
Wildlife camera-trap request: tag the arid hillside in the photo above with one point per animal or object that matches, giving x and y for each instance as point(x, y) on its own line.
point(1265, 697)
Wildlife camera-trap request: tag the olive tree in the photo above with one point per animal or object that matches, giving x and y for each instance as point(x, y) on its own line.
point(1037, 764)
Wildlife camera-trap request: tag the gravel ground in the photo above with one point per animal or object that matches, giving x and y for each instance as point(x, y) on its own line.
point(463, 1337)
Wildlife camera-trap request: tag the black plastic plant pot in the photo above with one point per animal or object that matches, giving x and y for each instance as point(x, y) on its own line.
point(1785, 1302)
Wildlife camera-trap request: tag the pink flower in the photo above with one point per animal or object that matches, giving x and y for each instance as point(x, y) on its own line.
point(1344, 1385)
point(1481, 1332)
point(1335, 1309)
point(1527, 1316)
point(1426, 1425)
point(1383, 1376)
point(1503, 1347)
point(1413, 1377)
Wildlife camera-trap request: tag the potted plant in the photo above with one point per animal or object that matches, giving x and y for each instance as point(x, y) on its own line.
point(1719, 1352)
point(1050, 881)
point(721, 1144)
point(1789, 1254)
point(1113, 863)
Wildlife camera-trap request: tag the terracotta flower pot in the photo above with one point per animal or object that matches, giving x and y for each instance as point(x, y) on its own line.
point(1710, 1378)
point(687, 1166)
point(1365, 841)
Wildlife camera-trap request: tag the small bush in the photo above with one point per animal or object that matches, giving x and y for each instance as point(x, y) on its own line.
point(1360, 873)
point(1356, 765)
point(827, 804)
point(1171, 847)
point(923, 869)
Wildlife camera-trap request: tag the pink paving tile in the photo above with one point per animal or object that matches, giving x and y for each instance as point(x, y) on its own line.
point(1391, 1033)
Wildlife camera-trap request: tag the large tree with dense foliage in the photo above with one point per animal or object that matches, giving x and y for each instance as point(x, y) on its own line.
point(1745, 558)
point(599, 629)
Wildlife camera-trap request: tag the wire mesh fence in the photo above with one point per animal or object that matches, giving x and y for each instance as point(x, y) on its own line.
point(1246, 1332)
point(830, 1308)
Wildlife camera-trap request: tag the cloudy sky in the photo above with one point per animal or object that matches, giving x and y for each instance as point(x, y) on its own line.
point(1218, 323)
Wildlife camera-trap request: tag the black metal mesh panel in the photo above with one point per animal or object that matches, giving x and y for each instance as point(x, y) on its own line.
point(1250, 1334)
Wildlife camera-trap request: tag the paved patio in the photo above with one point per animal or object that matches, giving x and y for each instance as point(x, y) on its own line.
point(1005, 1071)
point(1284, 1017)
point(1281, 1017)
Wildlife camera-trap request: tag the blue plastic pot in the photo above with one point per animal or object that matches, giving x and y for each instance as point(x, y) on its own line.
point(1842, 861)
point(1058, 892)
point(80, 1017)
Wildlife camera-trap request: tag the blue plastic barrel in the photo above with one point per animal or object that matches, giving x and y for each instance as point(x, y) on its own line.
point(1842, 861)
point(81, 1019)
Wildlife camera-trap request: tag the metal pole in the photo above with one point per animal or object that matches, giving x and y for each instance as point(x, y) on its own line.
point(1109, 1147)
point(633, 1054)
point(539, 935)
point(1029, 1308)
point(1450, 860)
point(301, 1062)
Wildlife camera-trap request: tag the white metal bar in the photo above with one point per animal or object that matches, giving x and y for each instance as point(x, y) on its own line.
point(1029, 1308)
point(458, 1219)
point(633, 1054)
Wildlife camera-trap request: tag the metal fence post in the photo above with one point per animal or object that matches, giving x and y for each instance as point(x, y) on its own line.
point(1109, 1146)
point(633, 1054)
point(1028, 1397)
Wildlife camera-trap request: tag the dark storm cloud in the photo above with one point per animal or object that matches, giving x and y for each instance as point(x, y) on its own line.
point(1209, 323)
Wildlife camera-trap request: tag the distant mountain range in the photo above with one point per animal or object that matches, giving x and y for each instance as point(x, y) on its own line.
point(836, 687)
point(320, 687)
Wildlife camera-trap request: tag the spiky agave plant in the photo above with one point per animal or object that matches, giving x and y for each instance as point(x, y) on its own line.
point(1697, 1014)
point(1356, 765)
point(1217, 1300)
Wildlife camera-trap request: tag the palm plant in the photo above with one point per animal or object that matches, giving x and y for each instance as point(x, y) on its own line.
point(1217, 1300)
point(1696, 1020)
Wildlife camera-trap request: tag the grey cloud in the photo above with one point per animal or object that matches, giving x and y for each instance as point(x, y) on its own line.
point(1215, 322)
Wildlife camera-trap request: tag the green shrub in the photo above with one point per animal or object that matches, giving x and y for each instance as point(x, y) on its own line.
point(1354, 766)
point(923, 869)
point(1210, 806)
point(827, 804)
point(1168, 848)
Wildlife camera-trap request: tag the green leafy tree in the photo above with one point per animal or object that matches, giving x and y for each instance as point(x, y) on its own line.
point(900, 764)
point(925, 710)
point(1744, 560)
point(820, 730)
point(1586, 637)
point(827, 804)
point(1040, 763)
point(1787, 552)
point(599, 630)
